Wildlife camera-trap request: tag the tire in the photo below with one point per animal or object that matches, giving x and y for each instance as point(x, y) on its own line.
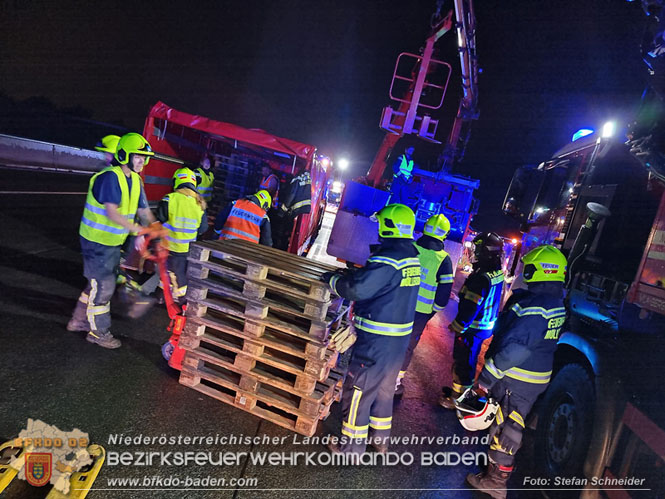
point(167, 350)
point(565, 423)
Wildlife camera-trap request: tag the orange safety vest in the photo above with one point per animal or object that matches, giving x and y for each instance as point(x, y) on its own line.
point(265, 184)
point(244, 221)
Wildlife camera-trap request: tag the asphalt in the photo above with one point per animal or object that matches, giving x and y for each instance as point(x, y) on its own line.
point(56, 376)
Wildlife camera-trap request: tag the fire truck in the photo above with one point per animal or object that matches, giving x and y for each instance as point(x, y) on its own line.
point(601, 200)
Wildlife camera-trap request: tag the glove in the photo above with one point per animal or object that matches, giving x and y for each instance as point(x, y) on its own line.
point(342, 340)
point(509, 439)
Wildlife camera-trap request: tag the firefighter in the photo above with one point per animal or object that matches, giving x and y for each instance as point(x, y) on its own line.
point(436, 282)
point(115, 197)
point(479, 301)
point(385, 291)
point(246, 219)
point(183, 214)
point(402, 176)
point(519, 360)
point(269, 182)
point(108, 145)
point(297, 201)
point(205, 179)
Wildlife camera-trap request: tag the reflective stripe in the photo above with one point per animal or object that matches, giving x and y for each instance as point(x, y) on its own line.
point(456, 326)
point(181, 241)
point(105, 228)
point(546, 313)
point(180, 229)
point(230, 233)
point(380, 423)
point(383, 328)
point(515, 416)
point(499, 416)
point(360, 432)
point(446, 279)
point(83, 298)
point(306, 202)
point(483, 326)
point(460, 388)
point(398, 264)
point(428, 287)
point(401, 374)
point(468, 295)
point(333, 282)
point(534, 377)
point(437, 308)
point(492, 369)
point(426, 301)
point(102, 211)
point(355, 402)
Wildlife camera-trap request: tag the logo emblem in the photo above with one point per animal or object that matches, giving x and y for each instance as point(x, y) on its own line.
point(38, 468)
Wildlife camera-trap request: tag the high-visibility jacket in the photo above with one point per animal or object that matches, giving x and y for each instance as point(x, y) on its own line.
point(271, 184)
point(184, 220)
point(526, 336)
point(95, 225)
point(404, 167)
point(479, 301)
point(206, 181)
point(385, 289)
point(244, 221)
point(435, 273)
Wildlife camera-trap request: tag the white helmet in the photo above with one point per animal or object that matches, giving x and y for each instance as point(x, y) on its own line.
point(475, 412)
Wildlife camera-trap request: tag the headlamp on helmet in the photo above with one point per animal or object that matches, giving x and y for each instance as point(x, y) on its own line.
point(395, 221)
point(475, 412)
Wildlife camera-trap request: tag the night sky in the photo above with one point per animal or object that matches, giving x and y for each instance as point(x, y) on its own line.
point(319, 71)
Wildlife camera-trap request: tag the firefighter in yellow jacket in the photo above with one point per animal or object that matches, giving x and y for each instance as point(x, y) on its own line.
point(182, 212)
point(115, 197)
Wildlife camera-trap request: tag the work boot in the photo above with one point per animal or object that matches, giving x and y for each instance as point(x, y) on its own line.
point(448, 397)
point(492, 482)
point(78, 325)
point(105, 340)
point(379, 445)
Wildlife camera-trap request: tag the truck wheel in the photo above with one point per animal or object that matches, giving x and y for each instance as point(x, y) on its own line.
point(564, 423)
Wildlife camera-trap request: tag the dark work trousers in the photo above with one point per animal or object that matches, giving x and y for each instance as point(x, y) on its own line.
point(516, 399)
point(367, 398)
point(419, 323)
point(177, 265)
point(465, 357)
point(399, 191)
point(282, 226)
point(100, 267)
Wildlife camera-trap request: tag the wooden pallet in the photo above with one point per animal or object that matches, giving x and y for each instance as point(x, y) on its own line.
point(299, 346)
point(266, 384)
point(264, 405)
point(251, 356)
point(257, 316)
point(262, 266)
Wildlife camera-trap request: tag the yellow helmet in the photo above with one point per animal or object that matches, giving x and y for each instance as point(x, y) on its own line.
point(183, 176)
point(544, 264)
point(437, 227)
point(264, 198)
point(132, 143)
point(108, 144)
point(395, 221)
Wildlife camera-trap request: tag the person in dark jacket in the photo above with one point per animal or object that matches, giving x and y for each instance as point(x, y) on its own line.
point(385, 292)
point(519, 361)
point(296, 201)
point(479, 301)
point(246, 219)
point(436, 282)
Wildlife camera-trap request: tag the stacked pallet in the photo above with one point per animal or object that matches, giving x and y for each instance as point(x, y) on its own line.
point(258, 321)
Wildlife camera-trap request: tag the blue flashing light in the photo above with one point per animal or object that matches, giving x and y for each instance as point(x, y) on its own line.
point(582, 132)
